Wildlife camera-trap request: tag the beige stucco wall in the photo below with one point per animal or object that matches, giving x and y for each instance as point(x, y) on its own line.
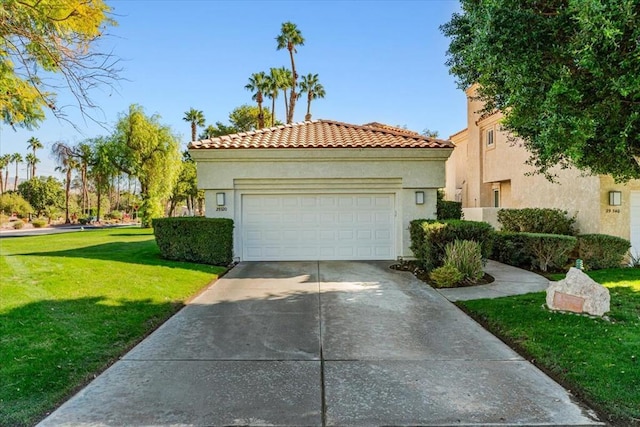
point(482, 168)
point(401, 172)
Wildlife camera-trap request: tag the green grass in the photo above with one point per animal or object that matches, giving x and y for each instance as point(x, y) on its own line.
point(71, 304)
point(598, 359)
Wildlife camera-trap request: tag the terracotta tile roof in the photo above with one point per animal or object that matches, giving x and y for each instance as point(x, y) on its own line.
point(323, 134)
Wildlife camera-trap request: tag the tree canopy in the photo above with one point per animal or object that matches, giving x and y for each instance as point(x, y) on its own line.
point(565, 75)
point(144, 148)
point(43, 38)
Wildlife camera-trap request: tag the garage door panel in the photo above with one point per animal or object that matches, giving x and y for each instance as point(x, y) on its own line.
point(318, 227)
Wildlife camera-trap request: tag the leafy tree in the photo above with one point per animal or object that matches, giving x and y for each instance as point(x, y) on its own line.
point(209, 132)
point(564, 74)
point(31, 160)
point(258, 84)
point(5, 159)
point(63, 155)
point(13, 202)
point(290, 37)
point(313, 89)
point(144, 148)
point(196, 118)
point(186, 188)
point(44, 39)
point(246, 118)
point(430, 133)
point(42, 193)
point(17, 159)
point(34, 144)
point(102, 169)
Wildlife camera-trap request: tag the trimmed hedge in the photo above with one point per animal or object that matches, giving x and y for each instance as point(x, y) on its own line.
point(446, 209)
point(429, 238)
point(549, 250)
point(602, 251)
point(195, 239)
point(509, 248)
point(536, 220)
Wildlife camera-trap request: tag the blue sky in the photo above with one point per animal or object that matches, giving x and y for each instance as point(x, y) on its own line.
point(378, 61)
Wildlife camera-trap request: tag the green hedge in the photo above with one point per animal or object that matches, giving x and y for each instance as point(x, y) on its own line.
point(549, 250)
point(536, 220)
point(195, 239)
point(446, 209)
point(602, 251)
point(509, 248)
point(429, 238)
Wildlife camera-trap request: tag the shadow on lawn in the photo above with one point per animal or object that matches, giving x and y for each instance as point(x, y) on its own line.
point(144, 252)
point(51, 348)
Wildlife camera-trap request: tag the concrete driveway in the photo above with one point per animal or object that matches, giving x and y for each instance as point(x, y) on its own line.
point(321, 343)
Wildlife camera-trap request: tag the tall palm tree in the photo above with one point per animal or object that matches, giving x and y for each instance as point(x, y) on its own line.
point(196, 118)
point(290, 37)
point(17, 159)
point(31, 160)
point(64, 156)
point(258, 84)
point(314, 90)
point(84, 155)
point(5, 159)
point(273, 91)
point(34, 144)
point(284, 82)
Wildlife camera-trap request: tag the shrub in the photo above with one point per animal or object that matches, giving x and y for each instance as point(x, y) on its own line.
point(429, 239)
point(18, 225)
point(535, 220)
point(84, 221)
point(509, 248)
point(114, 215)
point(39, 223)
point(14, 203)
point(195, 239)
point(549, 250)
point(602, 251)
point(446, 209)
point(446, 276)
point(466, 257)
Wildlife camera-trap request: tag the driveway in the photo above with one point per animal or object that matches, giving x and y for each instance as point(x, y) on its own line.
point(321, 343)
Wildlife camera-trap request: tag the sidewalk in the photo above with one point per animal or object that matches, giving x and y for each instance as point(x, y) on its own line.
point(508, 281)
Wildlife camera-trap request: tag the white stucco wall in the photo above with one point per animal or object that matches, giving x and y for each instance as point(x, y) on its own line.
point(401, 172)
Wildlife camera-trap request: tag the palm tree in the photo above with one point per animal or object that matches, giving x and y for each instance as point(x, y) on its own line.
point(34, 144)
point(258, 84)
point(84, 154)
point(290, 37)
point(17, 159)
point(31, 165)
point(284, 83)
point(196, 118)
point(209, 132)
point(5, 159)
point(314, 90)
point(64, 156)
point(272, 92)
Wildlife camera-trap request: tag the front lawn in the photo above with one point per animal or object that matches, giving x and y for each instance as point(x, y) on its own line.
point(598, 359)
point(72, 303)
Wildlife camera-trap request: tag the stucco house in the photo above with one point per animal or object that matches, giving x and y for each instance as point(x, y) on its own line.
point(321, 190)
point(487, 172)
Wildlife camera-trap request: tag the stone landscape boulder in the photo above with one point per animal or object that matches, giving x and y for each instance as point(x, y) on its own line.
point(578, 293)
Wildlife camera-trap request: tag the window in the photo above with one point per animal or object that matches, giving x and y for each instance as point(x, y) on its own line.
point(489, 138)
point(496, 198)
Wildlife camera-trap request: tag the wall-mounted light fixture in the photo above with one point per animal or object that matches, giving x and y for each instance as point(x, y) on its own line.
point(220, 199)
point(615, 198)
point(419, 197)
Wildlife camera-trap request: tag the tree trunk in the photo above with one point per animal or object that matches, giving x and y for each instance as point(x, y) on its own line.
point(292, 99)
point(99, 191)
point(67, 220)
point(15, 180)
point(286, 105)
point(307, 117)
point(193, 131)
point(273, 111)
point(260, 114)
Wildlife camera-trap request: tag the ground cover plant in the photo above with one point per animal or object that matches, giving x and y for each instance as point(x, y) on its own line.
point(73, 303)
point(598, 359)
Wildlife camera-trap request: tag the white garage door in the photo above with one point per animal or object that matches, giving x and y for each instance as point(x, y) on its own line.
point(635, 222)
point(318, 227)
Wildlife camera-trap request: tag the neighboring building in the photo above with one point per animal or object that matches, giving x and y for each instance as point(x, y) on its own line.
point(321, 190)
point(488, 171)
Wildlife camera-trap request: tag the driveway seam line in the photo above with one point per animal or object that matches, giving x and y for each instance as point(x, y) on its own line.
point(322, 389)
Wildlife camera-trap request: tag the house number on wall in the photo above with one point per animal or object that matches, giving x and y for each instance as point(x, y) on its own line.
point(613, 210)
point(221, 208)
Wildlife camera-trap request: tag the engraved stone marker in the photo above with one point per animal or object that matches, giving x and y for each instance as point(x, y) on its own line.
point(578, 293)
